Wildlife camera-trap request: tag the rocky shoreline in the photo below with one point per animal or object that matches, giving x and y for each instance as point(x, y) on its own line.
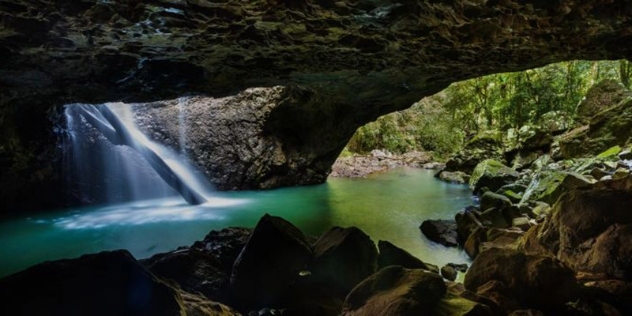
point(360, 166)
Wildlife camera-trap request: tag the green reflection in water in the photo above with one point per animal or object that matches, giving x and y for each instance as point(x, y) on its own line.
point(388, 206)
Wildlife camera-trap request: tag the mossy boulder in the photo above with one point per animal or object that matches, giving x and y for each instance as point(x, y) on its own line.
point(600, 97)
point(492, 174)
point(550, 185)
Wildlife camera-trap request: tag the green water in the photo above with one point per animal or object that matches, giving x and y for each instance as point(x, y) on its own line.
point(389, 206)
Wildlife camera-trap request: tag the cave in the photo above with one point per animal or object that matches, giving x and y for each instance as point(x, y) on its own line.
point(279, 86)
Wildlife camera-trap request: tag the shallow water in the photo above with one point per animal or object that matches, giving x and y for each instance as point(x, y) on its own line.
point(388, 206)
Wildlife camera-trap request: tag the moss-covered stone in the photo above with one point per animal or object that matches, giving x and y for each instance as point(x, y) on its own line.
point(549, 186)
point(492, 174)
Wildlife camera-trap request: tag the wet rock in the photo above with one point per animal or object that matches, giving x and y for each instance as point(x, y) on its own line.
point(343, 257)
point(458, 177)
point(474, 241)
point(491, 174)
point(494, 200)
point(516, 280)
point(460, 301)
point(107, 283)
point(390, 254)
point(522, 222)
point(461, 267)
point(598, 173)
point(440, 231)
point(395, 291)
point(449, 272)
point(511, 195)
point(467, 221)
point(494, 217)
point(205, 267)
point(587, 230)
point(269, 264)
point(550, 186)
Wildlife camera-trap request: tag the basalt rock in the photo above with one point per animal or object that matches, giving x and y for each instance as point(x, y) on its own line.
point(204, 267)
point(343, 64)
point(108, 283)
point(343, 257)
point(516, 280)
point(269, 264)
point(587, 230)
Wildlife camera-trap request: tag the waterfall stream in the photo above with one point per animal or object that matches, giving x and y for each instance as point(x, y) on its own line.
point(109, 159)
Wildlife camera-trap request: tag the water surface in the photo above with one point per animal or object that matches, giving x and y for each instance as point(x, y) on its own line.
point(387, 206)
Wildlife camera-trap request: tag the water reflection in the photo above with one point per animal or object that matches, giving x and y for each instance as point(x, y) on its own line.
point(389, 206)
point(146, 212)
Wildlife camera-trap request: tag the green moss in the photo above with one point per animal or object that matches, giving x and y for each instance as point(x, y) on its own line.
point(610, 152)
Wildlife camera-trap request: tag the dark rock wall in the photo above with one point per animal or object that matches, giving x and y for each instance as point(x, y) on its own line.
point(346, 63)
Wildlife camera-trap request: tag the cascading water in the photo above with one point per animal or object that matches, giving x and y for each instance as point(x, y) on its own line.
point(108, 159)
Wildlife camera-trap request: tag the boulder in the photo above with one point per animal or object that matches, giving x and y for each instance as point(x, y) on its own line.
point(467, 221)
point(600, 97)
point(343, 257)
point(491, 174)
point(449, 272)
point(550, 185)
point(459, 301)
point(440, 231)
point(205, 267)
point(531, 281)
point(616, 292)
point(589, 230)
point(458, 177)
point(390, 255)
point(494, 217)
point(269, 263)
point(395, 291)
point(107, 283)
point(474, 241)
point(494, 200)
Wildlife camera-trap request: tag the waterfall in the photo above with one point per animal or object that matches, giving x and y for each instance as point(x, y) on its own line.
point(108, 159)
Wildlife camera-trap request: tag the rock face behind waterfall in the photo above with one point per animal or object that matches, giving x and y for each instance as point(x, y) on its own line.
point(231, 140)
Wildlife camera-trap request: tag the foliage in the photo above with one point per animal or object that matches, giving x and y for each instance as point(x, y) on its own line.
point(508, 100)
point(425, 126)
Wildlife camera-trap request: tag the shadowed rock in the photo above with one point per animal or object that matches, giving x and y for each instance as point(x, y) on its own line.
point(269, 264)
point(108, 283)
point(343, 257)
